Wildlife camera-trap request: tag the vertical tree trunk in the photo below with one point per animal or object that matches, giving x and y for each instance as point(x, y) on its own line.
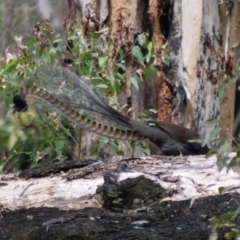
point(229, 18)
point(199, 36)
point(6, 32)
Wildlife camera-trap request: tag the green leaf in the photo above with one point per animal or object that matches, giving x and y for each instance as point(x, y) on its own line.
point(102, 144)
point(221, 190)
point(8, 101)
point(93, 150)
point(119, 76)
point(46, 151)
point(73, 38)
point(11, 66)
point(146, 151)
point(236, 213)
point(114, 146)
point(150, 52)
point(214, 134)
point(210, 122)
point(122, 66)
point(134, 80)
point(225, 147)
point(100, 45)
point(150, 71)
point(52, 53)
point(32, 43)
point(120, 153)
point(58, 40)
point(214, 221)
point(141, 39)
point(148, 58)
point(137, 53)
point(41, 50)
point(225, 85)
point(102, 86)
point(210, 152)
point(166, 61)
point(236, 45)
point(102, 61)
point(153, 110)
point(238, 153)
point(150, 48)
point(226, 217)
point(59, 144)
point(121, 53)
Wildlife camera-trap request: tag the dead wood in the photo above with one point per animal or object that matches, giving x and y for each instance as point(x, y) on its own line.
point(140, 198)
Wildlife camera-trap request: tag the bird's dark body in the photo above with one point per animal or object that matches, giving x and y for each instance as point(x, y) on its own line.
point(171, 139)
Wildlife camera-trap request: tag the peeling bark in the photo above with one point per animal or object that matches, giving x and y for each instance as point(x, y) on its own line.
point(209, 69)
point(154, 12)
point(177, 178)
point(175, 38)
point(89, 15)
point(164, 94)
point(201, 56)
point(103, 10)
point(164, 98)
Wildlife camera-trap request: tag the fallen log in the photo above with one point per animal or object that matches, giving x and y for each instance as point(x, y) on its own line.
point(138, 198)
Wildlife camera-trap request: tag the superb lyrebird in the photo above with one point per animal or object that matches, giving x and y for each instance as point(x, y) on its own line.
point(73, 98)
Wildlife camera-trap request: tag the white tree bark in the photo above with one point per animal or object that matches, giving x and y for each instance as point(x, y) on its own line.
point(188, 177)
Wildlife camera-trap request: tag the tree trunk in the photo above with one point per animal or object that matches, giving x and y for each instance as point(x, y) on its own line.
point(204, 51)
point(199, 36)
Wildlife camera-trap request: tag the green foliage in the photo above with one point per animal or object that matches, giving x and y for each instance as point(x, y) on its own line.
point(135, 80)
point(222, 149)
point(93, 58)
point(225, 220)
point(225, 85)
point(165, 55)
point(98, 148)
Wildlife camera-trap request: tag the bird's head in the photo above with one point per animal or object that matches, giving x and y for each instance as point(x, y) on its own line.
point(20, 104)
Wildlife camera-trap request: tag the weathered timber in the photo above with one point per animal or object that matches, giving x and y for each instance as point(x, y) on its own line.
point(140, 198)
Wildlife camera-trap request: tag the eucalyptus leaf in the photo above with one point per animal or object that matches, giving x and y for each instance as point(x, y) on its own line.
point(146, 151)
point(141, 38)
point(102, 61)
point(225, 85)
point(214, 134)
point(134, 81)
point(102, 86)
point(137, 53)
point(210, 122)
